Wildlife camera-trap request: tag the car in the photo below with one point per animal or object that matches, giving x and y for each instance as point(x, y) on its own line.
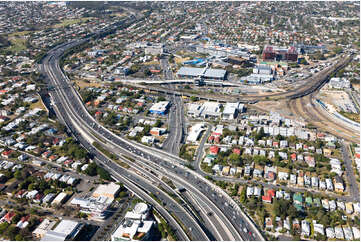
point(209, 213)
point(245, 230)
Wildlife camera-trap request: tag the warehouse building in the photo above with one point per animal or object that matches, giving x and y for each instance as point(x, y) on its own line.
point(206, 73)
point(231, 110)
point(65, 230)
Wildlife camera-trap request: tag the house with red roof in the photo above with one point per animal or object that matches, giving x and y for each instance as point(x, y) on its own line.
point(38, 197)
point(7, 153)
point(236, 151)
point(53, 157)
point(214, 150)
point(294, 156)
point(21, 193)
point(8, 217)
point(268, 196)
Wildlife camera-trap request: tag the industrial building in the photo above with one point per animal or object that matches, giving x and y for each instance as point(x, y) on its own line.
point(206, 73)
point(231, 110)
point(65, 230)
point(279, 53)
point(137, 225)
point(106, 190)
point(257, 78)
point(220, 50)
point(160, 108)
point(339, 83)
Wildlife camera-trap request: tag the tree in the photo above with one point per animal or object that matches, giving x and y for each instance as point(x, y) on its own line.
point(11, 232)
point(3, 227)
point(91, 170)
point(242, 196)
point(18, 175)
point(235, 159)
point(19, 237)
point(325, 220)
point(147, 72)
point(260, 134)
point(158, 123)
point(194, 99)
point(161, 99)
point(103, 174)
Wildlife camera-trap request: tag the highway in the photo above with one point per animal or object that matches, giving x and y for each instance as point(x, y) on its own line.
point(173, 207)
point(176, 121)
point(70, 104)
point(118, 172)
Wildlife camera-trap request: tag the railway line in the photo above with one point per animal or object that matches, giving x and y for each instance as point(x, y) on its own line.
point(308, 110)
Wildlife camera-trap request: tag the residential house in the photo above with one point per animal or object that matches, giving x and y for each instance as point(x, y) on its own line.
point(349, 208)
point(325, 204)
point(306, 229)
point(330, 233)
point(338, 182)
point(269, 223)
point(339, 233)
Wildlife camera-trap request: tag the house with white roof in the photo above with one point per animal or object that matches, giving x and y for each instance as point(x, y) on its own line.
point(318, 228)
point(339, 233)
point(330, 232)
point(347, 232)
point(306, 229)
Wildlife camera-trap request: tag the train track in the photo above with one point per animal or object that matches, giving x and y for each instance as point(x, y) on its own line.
point(305, 108)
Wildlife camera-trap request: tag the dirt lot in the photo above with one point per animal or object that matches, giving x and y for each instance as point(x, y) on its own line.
point(84, 84)
point(38, 104)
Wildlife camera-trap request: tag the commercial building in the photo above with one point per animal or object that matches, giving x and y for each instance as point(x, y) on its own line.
point(106, 190)
point(279, 53)
point(195, 132)
point(65, 230)
point(221, 50)
point(42, 228)
point(96, 206)
point(263, 69)
point(156, 49)
point(231, 110)
point(205, 73)
point(194, 110)
point(137, 225)
point(159, 108)
point(211, 110)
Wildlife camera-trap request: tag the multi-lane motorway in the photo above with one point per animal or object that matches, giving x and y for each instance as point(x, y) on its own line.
point(176, 127)
point(230, 222)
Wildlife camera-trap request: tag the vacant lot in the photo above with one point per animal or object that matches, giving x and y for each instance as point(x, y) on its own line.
point(17, 44)
point(68, 22)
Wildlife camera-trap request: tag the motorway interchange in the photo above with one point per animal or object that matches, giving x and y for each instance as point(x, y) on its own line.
point(225, 222)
